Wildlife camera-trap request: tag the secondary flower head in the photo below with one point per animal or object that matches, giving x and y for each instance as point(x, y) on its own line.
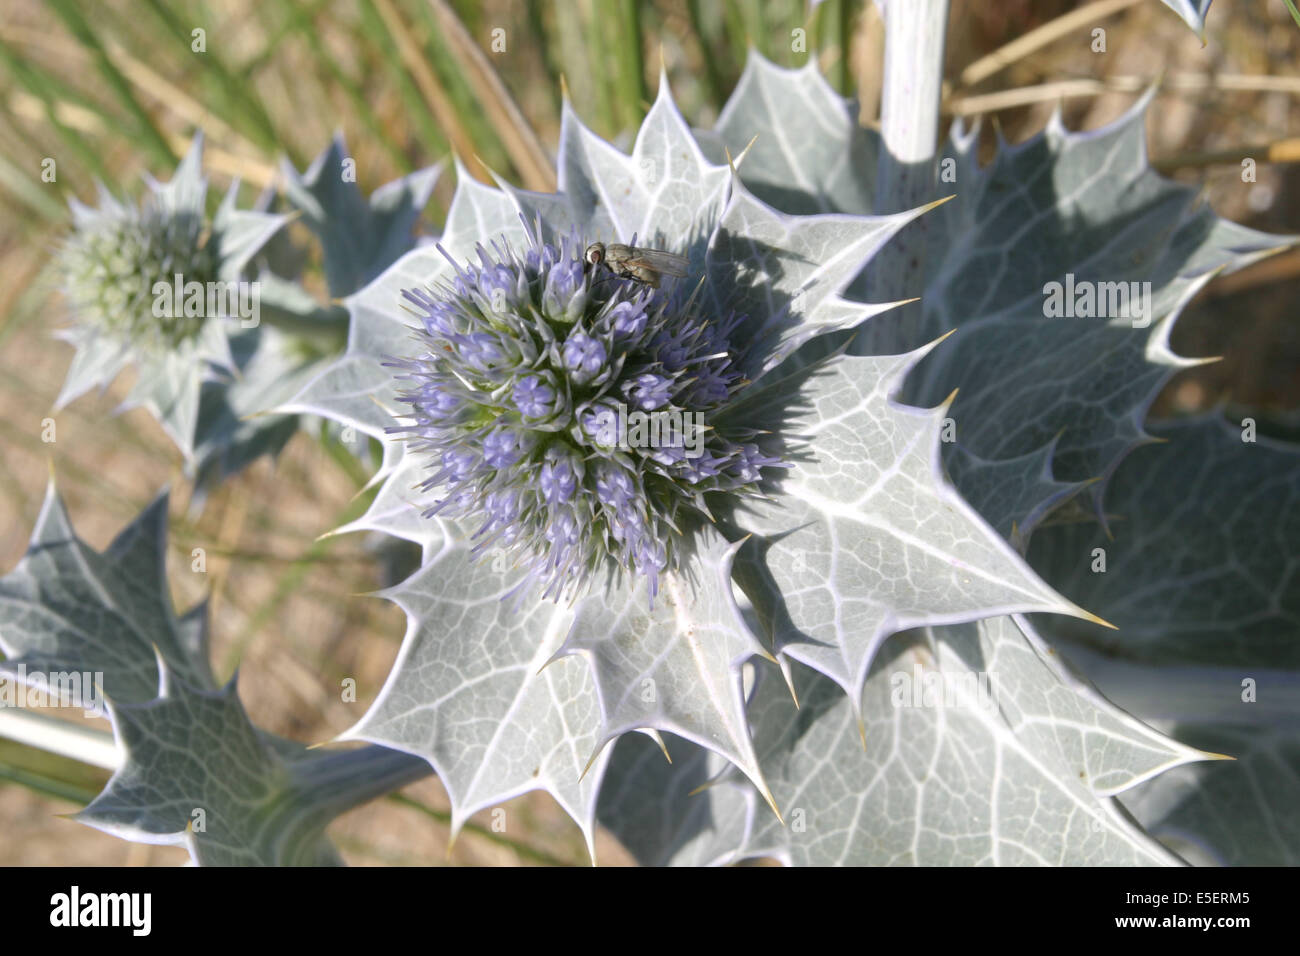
point(566, 416)
point(158, 286)
point(118, 252)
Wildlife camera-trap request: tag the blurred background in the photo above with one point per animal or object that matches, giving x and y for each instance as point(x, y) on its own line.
point(113, 89)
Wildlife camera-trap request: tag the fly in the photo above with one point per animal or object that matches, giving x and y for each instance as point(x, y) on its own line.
point(633, 262)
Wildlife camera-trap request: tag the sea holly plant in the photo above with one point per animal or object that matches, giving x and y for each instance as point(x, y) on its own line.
point(360, 236)
point(746, 548)
point(1216, 664)
point(1193, 13)
point(193, 770)
point(210, 312)
point(624, 536)
point(1083, 209)
point(1036, 735)
point(159, 287)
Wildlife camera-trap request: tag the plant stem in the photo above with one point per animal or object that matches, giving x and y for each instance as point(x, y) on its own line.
point(328, 326)
point(60, 737)
point(915, 32)
point(339, 780)
point(46, 786)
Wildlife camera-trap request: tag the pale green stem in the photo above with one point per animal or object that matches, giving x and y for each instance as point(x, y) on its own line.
point(49, 733)
point(915, 32)
point(335, 781)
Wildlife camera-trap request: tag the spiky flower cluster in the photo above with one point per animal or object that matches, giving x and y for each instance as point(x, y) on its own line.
point(528, 370)
point(112, 261)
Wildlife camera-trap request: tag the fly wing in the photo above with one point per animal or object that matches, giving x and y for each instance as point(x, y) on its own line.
point(667, 263)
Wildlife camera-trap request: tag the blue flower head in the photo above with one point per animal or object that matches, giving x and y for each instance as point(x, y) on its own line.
point(531, 389)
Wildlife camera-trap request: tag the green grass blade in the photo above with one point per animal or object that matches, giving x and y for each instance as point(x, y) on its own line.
point(701, 33)
point(487, 145)
point(303, 20)
point(37, 83)
point(629, 73)
point(240, 106)
point(153, 139)
point(376, 34)
point(597, 79)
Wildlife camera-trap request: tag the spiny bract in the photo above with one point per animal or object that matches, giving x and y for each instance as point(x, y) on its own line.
point(527, 373)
